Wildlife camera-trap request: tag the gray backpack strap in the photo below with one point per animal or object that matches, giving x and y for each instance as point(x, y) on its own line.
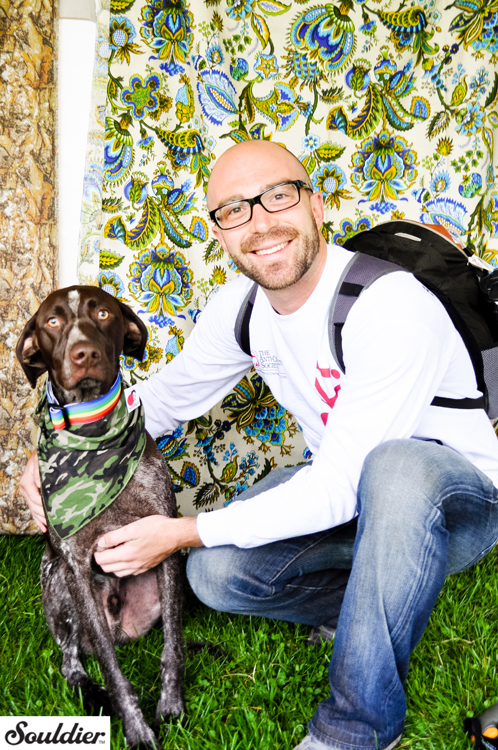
point(241, 329)
point(490, 362)
point(361, 271)
point(359, 274)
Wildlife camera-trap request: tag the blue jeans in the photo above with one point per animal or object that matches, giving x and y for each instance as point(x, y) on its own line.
point(424, 511)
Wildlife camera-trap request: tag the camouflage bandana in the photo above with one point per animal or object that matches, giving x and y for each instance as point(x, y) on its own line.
point(84, 468)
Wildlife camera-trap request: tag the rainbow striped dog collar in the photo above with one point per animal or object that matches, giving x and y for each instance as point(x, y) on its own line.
point(84, 412)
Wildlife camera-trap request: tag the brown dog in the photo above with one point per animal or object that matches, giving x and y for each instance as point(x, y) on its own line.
point(77, 335)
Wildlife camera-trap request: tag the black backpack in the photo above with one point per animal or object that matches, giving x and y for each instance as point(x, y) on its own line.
point(458, 278)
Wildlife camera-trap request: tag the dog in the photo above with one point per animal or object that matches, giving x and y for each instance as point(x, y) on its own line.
point(77, 336)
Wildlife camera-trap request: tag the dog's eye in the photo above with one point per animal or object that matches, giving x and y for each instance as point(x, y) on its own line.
point(102, 314)
point(53, 322)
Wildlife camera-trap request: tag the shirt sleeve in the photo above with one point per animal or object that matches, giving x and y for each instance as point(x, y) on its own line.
point(397, 343)
point(210, 364)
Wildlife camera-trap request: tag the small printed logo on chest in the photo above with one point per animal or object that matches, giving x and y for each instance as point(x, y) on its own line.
point(267, 363)
point(327, 377)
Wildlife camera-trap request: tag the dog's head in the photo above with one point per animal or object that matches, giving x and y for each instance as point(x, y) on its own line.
point(77, 336)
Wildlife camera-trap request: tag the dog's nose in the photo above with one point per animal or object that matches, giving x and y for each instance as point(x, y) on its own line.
point(85, 355)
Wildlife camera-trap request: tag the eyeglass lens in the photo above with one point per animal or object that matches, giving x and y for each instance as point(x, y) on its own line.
point(276, 199)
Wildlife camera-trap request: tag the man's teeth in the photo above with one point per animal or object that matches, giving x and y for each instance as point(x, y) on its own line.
point(270, 250)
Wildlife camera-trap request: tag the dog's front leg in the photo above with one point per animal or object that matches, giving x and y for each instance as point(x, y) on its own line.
point(171, 702)
point(123, 698)
point(64, 623)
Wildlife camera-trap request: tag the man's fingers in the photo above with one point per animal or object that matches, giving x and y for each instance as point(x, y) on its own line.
point(120, 567)
point(40, 522)
point(128, 533)
point(29, 488)
point(144, 543)
point(113, 538)
point(114, 554)
point(35, 469)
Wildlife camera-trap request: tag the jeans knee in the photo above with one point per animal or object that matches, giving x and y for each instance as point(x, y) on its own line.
point(225, 578)
point(203, 581)
point(404, 478)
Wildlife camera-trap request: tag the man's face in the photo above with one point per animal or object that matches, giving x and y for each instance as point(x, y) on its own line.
point(274, 249)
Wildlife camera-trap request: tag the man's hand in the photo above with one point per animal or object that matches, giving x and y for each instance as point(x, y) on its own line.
point(145, 543)
point(29, 487)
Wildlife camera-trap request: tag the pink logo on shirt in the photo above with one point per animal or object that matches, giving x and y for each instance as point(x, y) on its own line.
point(326, 372)
point(255, 358)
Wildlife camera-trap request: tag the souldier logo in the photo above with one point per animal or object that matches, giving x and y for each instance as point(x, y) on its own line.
point(76, 736)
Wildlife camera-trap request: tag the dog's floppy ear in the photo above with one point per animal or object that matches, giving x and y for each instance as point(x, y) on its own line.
point(135, 333)
point(28, 353)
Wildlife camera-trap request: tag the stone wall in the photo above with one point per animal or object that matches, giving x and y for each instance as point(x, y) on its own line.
point(28, 239)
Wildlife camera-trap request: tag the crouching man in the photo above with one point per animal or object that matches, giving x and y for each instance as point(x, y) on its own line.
point(399, 492)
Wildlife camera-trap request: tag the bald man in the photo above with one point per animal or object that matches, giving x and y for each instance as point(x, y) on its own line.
point(398, 492)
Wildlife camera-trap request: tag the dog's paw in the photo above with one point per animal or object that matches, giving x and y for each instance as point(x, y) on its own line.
point(143, 740)
point(170, 715)
point(96, 699)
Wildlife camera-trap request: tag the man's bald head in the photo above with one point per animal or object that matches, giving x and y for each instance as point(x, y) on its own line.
point(282, 250)
point(249, 163)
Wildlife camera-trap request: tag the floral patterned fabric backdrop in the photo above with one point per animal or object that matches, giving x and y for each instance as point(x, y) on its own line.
point(390, 106)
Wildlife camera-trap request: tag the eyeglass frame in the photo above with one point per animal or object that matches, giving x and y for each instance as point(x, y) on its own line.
point(299, 184)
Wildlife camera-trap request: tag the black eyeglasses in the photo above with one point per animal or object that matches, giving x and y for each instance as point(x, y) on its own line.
point(275, 199)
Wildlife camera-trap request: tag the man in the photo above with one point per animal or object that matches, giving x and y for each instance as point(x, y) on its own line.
point(421, 478)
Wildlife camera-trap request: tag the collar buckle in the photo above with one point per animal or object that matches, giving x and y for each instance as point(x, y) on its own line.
point(58, 407)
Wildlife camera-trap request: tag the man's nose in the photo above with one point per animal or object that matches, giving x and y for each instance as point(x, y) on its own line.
point(262, 220)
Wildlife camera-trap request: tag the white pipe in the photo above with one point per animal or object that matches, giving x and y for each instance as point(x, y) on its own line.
point(75, 70)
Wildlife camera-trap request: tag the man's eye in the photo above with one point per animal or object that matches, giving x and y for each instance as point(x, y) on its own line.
point(282, 195)
point(53, 322)
point(234, 210)
point(102, 314)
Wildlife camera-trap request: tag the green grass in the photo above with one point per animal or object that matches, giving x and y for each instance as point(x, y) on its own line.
point(262, 697)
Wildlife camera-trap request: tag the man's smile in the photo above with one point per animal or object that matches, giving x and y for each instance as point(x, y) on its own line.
point(271, 250)
point(271, 242)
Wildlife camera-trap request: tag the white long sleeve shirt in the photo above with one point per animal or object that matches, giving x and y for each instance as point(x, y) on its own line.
point(400, 350)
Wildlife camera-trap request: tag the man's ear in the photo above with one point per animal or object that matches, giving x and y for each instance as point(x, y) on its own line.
point(317, 208)
point(28, 353)
point(135, 333)
point(216, 232)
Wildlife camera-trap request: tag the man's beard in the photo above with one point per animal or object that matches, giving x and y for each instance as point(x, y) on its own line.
point(275, 277)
